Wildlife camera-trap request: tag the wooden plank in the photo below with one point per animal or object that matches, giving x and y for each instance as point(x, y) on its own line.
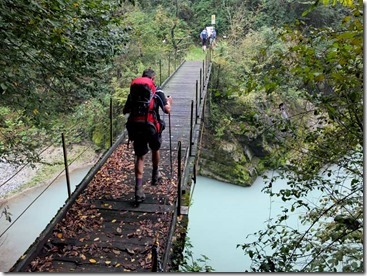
point(129, 206)
point(109, 228)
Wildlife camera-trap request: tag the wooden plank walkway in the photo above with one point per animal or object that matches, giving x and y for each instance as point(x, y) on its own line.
point(182, 88)
point(102, 230)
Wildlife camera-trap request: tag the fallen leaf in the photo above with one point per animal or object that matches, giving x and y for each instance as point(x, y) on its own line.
point(130, 251)
point(117, 252)
point(92, 261)
point(148, 258)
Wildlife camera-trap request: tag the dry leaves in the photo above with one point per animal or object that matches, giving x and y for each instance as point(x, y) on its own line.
point(85, 223)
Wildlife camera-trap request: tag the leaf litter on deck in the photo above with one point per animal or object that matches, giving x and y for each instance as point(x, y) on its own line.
point(84, 224)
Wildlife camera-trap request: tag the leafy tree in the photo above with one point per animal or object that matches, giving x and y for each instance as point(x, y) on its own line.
point(319, 149)
point(54, 52)
point(189, 264)
point(151, 44)
point(55, 55)
point(62, 57)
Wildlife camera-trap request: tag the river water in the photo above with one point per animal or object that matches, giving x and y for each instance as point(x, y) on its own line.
point(222, 215)
point(24, 231)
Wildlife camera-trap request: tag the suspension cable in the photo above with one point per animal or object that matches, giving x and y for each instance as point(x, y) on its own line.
point(40, 194)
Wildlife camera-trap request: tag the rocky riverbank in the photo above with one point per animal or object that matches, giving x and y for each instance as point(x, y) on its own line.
point(15, 179)
point(231, 158)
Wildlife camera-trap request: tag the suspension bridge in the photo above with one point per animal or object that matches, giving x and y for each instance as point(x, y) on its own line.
point(100, 228)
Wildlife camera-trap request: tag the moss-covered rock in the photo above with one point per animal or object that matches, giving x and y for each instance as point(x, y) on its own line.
point(228, 161)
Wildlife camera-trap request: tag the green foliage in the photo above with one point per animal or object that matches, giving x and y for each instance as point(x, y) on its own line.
point(314, 67)
point(17, 132)
point(323, 146)
point(189, 264)
point(54, 57)
point(95, 116)
point(332, 239)
point(195, 53)
point(61, 61)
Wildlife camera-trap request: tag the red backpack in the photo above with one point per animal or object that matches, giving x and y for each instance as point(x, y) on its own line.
point(143, 118)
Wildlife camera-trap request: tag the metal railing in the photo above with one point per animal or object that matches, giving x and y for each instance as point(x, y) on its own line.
point(114, 141)
point(186, 173)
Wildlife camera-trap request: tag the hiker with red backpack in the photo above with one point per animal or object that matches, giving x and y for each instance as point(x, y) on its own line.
point(145, 126)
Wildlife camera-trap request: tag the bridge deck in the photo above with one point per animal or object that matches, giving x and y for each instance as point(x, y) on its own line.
point(102, 230)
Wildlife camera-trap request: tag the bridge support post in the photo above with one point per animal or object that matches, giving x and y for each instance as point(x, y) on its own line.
point(204, 71)
point(111, 124)
point(66, 164)
point(196, 103)
point(204, 74)
point(201, 80)
point(191, 127)
point(179, 179)
point(160, 72)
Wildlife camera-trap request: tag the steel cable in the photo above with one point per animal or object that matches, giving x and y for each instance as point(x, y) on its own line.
point(41, 194)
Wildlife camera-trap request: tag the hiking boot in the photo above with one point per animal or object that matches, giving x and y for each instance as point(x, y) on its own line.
point(139, 194)
point(156, 177)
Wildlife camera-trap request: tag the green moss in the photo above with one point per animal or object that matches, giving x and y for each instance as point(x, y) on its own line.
point(186, 199)
point(195, 53)
point(178, 244)
point(99, 137)
point(226, 161)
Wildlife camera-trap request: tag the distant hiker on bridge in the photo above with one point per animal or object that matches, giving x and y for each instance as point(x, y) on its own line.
point(212, 37)
point(145, 126)
point(204, 38)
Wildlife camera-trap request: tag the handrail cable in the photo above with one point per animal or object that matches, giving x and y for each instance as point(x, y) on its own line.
point(44, 190)
point(23, 167)
point(6, 181)
point(39, 195)
point(30, 204)
point(70, 129)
